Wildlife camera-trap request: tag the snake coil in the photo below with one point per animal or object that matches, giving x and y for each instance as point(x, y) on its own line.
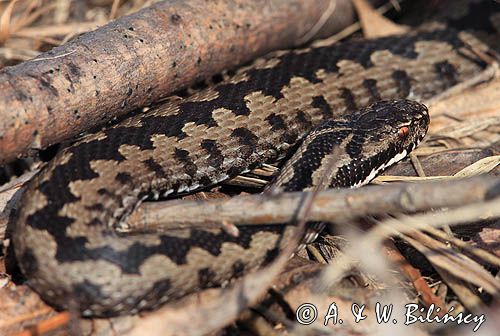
point(352, 96)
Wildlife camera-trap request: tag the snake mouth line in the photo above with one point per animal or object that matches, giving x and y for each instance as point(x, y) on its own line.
point(398, 157)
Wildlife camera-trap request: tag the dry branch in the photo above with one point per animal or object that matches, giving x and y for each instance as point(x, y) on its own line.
point(328, 205)
point(140, 58)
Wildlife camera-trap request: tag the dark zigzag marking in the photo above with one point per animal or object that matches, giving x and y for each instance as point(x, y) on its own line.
point(370, 85)
point(215, 157)
point(320, 103)
point(446, 74)
point(403, 82)
point(176, 248)
point(231, 95)
point(348, 98)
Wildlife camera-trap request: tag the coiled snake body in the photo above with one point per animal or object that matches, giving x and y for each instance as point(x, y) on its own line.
point(66, 238)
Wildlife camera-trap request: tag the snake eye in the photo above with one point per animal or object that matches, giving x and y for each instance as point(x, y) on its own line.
point(403, 132)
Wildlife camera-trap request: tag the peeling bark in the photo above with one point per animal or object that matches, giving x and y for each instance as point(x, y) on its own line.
point(137, 59)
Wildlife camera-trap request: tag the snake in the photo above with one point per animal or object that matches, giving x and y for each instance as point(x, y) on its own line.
point(361, 96)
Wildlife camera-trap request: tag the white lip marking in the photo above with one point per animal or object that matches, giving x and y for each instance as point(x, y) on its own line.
point(193, 187)
point(168, 192)
point(374, 172)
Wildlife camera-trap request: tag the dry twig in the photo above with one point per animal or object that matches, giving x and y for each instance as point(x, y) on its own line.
point(336, 205)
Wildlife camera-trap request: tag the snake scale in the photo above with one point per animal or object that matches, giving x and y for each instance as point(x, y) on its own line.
point(69, 239)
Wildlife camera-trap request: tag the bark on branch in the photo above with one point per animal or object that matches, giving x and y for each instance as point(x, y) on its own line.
point(140, 58)
point(330, 205)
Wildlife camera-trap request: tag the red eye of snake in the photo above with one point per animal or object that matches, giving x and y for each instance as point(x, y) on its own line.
point(403, 132)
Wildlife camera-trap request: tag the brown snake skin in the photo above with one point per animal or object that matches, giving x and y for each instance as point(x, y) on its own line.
point(68, 238)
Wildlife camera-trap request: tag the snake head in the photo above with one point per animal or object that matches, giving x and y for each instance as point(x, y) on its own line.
point(383, 134)
point(391, 125)
point(368, 141)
